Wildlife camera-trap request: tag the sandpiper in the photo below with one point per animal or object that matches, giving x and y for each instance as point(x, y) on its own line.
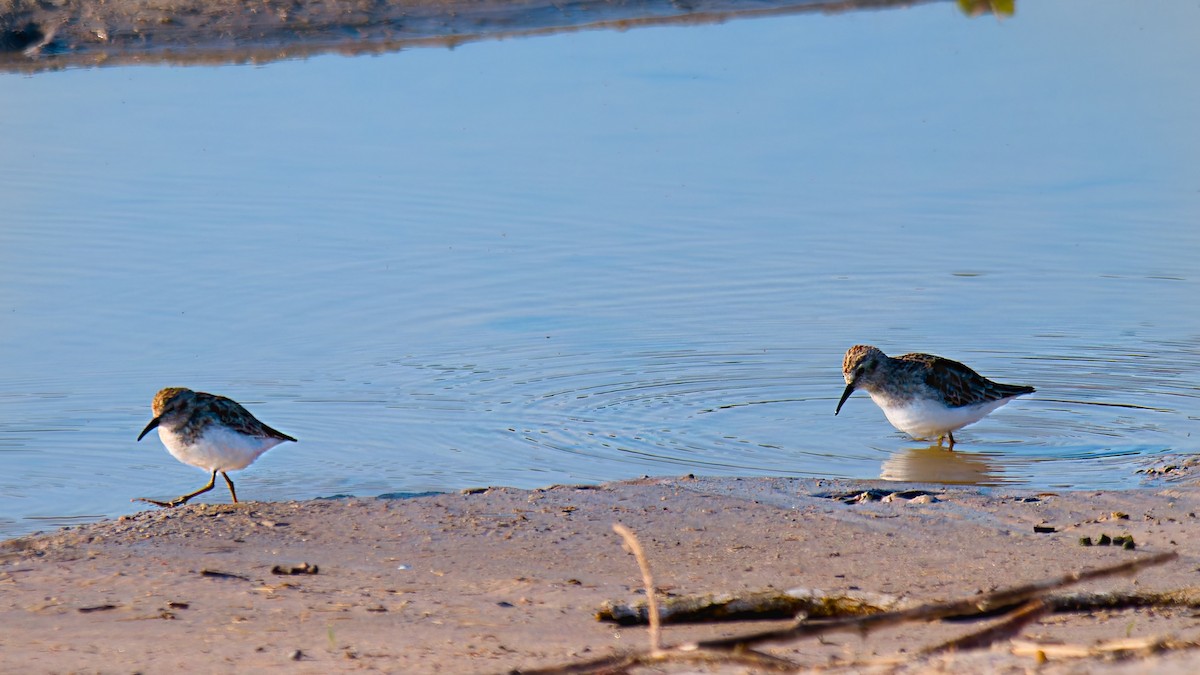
point(923, 395)
point(211, 432)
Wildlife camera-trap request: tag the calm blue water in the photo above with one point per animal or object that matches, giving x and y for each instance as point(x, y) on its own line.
point(600, 255)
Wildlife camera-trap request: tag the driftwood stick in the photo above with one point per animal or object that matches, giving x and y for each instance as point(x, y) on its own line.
point(616, 665)
point(1090, 602)
point(1010, 627)
point(1146, 645)
point(958, 608)
point(755, 606)
point(1031, 599)
point(817, 604)
point(610, 665)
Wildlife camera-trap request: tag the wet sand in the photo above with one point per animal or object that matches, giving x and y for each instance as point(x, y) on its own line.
point(507, 579)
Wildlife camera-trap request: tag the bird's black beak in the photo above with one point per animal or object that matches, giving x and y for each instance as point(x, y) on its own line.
point(845, 395)
point(154, 422)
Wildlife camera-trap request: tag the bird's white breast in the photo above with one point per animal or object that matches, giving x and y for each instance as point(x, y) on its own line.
point(219, 448)
point(927, 418)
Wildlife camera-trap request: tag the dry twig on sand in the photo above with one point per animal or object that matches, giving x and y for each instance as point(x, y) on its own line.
point(1018, 606)
point(751, 606)
point(1130, 646)
point(817, 604)
point(647, 582)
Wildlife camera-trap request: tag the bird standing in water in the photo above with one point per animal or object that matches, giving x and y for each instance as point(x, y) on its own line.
point(923, 395)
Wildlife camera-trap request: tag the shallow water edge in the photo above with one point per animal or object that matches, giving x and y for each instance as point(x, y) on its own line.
point(37, 36)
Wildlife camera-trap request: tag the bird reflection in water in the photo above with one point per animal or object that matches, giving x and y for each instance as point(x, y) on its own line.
point(936, 464)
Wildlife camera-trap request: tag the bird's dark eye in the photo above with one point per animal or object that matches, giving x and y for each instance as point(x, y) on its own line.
point(860, 370)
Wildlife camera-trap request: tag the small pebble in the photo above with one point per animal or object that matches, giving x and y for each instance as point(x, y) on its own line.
point(302, 568)
point(1125, 542)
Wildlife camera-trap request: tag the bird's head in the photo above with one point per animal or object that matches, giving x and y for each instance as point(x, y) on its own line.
point(167, 402)
point(858, 368)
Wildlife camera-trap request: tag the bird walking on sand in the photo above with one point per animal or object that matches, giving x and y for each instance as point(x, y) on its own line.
point(211, 432)
point(923, 395)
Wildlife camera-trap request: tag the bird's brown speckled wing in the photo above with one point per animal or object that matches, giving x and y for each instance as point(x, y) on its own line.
point(959, 384)
point(231, 413)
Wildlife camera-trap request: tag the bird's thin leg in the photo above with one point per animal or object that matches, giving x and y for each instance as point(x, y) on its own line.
point(951, 434)
point(184, 499)
point(232, 492)
point(212, 480)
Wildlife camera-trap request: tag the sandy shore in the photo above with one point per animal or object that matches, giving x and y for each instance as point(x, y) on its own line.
point(506, 579)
